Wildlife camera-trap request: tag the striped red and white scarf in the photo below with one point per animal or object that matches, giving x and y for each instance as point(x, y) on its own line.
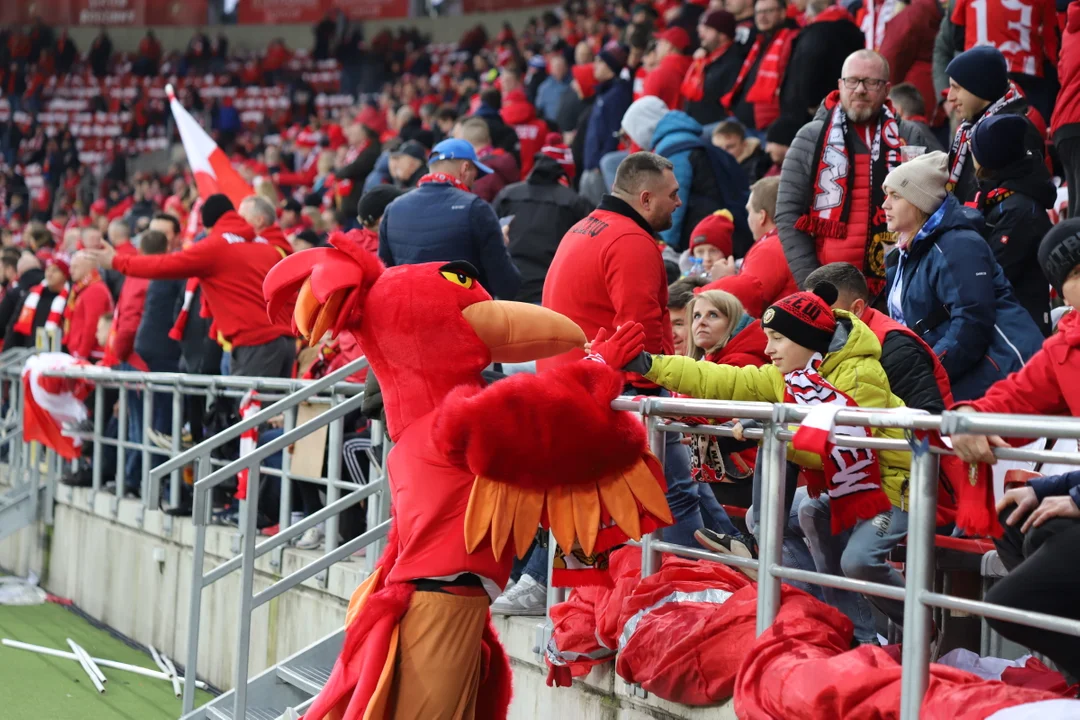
point(25, 324)
point(962, 140)
point(177, 331)
point(851, 476)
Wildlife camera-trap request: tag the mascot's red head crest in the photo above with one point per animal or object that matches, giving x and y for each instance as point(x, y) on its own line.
point(328, 287)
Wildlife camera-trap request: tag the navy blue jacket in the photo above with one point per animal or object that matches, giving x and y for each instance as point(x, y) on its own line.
point(152, 341)
point(1064, 484)
point(602, 134)
point(955, 296)
point(436, 222)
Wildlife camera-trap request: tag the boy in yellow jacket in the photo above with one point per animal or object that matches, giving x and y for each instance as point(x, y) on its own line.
point(820, 357)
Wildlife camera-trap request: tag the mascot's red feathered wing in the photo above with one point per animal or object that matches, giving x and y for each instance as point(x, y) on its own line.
point(474, 469)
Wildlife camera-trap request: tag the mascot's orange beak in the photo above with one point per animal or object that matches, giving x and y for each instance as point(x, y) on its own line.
point(520, 332)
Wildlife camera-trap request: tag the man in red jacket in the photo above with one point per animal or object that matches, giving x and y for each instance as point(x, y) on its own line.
point(120, 347)
point(231, 263)
point(764, 276)
point(665, 82)
point(519, 113)
point(88, 300)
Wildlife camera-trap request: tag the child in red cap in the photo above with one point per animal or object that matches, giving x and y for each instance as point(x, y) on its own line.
point(711, 243)
point(829, 359)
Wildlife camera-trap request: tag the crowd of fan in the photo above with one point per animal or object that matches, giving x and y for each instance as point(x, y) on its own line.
point(892, 159)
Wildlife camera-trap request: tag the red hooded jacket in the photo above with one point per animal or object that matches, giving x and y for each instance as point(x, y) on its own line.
point(129, 311)
point(520, 114)
point(1067, 109)
point(665, 82)
point(231, 264)
point(763, 279)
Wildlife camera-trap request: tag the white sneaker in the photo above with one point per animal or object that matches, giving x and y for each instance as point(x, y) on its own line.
point(312, 539)
point(526, 597)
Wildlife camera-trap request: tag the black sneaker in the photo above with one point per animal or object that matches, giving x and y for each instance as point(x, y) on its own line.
point(737, 545)
point(83, 477)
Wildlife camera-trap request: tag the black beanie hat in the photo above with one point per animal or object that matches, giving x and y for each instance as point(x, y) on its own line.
point(994, 143)
point(783, 130)
point(373, 203)
point(982, 71)
point(1059, 251)
point(805, 318)
point(214, 207)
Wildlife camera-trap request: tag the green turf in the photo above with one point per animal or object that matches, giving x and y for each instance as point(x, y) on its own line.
point(34, 686)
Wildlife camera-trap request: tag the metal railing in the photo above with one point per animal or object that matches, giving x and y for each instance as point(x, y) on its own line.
point(281, 398)
point(660, 416)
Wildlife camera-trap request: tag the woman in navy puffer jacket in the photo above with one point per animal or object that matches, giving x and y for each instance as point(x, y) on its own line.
point(944, 283)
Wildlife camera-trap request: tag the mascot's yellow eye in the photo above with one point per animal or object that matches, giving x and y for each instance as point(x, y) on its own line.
point(458, 279)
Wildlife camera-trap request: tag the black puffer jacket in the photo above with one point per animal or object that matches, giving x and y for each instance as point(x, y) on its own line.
point(910, 370)
point(152, 342)
point(544, 210)
point(1014, 201)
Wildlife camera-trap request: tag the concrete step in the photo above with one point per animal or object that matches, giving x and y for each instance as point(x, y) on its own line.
point(309, 678)
point(19, 508)
point(256, 713)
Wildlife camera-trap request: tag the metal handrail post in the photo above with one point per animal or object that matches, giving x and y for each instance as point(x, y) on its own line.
point(333, 471)
point(771, 530)
point(99, 448)
point(919, 577)
point(121, 451)
point(149, 495)
point(285, 493)
point(52, 471)
point(249, 511)
point(200, 512)
point(650, 559)
point(177, 430)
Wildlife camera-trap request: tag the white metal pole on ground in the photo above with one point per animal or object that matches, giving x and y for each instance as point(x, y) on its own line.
point(81, 652)
point(135, 669)
point(157, 659)
point(172, 673)
point(87, 670)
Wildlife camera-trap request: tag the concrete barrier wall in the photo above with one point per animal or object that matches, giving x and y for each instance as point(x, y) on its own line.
point(136, 578)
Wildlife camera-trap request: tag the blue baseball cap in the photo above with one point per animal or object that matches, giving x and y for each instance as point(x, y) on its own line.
point(457, 150)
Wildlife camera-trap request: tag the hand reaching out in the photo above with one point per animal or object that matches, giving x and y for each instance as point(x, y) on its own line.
point(617, 351)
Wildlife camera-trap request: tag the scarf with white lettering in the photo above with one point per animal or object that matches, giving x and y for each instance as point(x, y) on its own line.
point(851, 476)
point(830, 200)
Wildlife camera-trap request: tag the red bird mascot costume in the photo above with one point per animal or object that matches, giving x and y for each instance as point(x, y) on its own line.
point(471, 468)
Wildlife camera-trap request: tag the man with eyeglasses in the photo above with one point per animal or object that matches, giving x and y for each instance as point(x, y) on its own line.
point(829, 203)
point(755, 97)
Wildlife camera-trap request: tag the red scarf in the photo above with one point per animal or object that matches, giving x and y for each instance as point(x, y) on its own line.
point(177, 331)
point(962, 140)
point(765, 92)
point(693, 85)
point(852, 476)
point(830, 201)
point(25, 324)
point(443, 178)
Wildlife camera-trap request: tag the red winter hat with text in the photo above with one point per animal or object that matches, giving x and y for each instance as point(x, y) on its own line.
point(715, 230)
point(805, 318)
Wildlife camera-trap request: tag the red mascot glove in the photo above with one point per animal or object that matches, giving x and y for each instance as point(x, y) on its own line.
point(621, 348)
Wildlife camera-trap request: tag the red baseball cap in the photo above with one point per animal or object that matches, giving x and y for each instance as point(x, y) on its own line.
point(677, 37)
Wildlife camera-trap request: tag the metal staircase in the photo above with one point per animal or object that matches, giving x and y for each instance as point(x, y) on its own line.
point(292, 683)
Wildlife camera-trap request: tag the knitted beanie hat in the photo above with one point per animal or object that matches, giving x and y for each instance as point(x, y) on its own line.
point(921, 181)
point(641, 118)
point(715, 230)
point(214, 207)
point(1059, 251)
point(373, 203)
point(982, 71)
point(721, 21)
point(805, 318)
point(614, 56)
point(994, 143)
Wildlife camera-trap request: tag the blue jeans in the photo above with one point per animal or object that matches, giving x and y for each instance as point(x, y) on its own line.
point(861, 554)
point(692, 504)
point(793, 552)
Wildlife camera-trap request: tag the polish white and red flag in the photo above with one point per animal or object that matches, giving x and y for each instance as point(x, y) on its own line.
point(209, 164)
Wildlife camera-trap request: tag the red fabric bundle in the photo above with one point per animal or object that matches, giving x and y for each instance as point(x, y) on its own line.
point(801, 668)
point(686, 631)
point(976, 510)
